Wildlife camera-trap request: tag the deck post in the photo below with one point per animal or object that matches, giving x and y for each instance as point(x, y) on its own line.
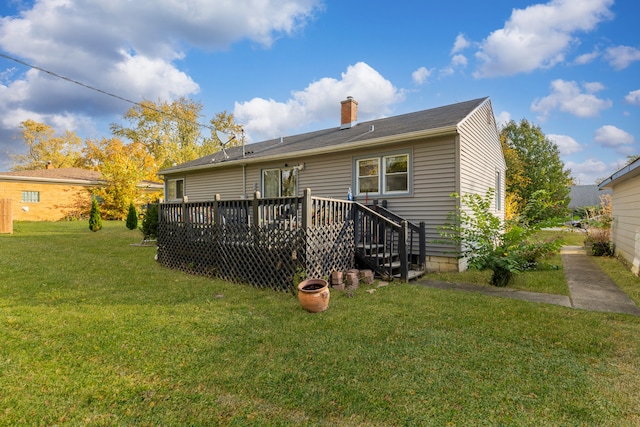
point(404, 259)
point(185, 213)
point(255, 204)
point(307, 209)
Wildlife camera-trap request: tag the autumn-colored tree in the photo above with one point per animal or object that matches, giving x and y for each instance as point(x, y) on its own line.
point(123, 167)
point(43, 146)
point(171, 132)
point(536, 177)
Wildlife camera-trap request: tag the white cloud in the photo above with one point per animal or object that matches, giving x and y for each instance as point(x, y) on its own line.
point(459, 61)
point(461, 43)
point(446, 72)
point(421, 75)
point(620, 57)
point(538, 36)
point(568, 97)
point(633, 97)
point(587, 57)
point(611, 136)
point(503, 118)
point(319, 101)
point(589, 171)
point(131, 49)
point(566, 144)
point(122, 47)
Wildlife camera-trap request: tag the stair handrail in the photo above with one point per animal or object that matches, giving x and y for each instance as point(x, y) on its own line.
point(419, 229)
point(402, 230)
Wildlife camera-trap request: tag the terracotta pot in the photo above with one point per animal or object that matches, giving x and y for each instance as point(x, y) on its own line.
point(313, 295)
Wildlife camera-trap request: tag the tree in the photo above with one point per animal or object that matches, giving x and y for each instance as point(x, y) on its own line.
point(122, 167)
point(43, 146)
point(149, 226)
point(171, 133)
point(132, 218)
point(488, 243)
point(95, 220)
point(535, 177)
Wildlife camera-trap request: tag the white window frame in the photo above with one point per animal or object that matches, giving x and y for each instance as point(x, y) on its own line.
point(498, 191)
point(382, 174)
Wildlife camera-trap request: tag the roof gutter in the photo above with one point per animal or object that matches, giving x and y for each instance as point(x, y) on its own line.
point(50, 180)
point(374, 142)
point(619, 174)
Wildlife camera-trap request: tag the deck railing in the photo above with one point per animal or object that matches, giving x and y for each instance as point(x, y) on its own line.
point(268, 242)
point(264, 242)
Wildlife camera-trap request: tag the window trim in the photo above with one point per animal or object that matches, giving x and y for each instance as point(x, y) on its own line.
point(382, 175)
point(498, 190)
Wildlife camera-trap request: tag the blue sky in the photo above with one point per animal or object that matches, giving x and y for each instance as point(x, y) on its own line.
point(282, 67)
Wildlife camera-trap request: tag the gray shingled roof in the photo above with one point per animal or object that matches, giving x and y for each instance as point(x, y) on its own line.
point(585, 195)
point(432, 119)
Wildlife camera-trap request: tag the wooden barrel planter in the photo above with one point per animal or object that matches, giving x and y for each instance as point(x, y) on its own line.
point(313, 295)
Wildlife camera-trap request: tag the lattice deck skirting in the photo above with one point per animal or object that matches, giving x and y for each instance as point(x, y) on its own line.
point(269, 242)
point(243, 242)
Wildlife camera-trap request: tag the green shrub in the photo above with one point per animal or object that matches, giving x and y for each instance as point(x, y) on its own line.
point(149, 226)
point(95, 220)
point(132, 218)
point(487, 243)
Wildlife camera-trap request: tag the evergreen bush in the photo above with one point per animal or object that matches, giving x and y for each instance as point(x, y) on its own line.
point(132, 218)
point(95, 220)
point(149, 226)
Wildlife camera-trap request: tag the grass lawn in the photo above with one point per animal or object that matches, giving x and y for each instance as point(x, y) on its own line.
point(93, 332)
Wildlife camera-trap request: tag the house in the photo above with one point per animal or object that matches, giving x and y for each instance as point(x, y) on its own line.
point(585, 196)
point(410, 163)
point(625, 205)
point(52, 194)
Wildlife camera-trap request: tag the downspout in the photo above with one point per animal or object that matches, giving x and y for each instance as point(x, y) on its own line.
point(244, 180)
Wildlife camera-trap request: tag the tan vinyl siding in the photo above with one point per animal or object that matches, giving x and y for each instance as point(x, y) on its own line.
point(481, 154)
point(205, 185)
point(432, 173)
point(626, 222)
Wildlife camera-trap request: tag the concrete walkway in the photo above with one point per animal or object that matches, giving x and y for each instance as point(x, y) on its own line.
point(590, 288)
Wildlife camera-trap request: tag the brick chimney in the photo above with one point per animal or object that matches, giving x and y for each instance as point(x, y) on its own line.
point(348, 113)
point(49, 165)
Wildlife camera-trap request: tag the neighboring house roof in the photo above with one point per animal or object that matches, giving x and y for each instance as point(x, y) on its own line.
point(585, 195)
point(432, 122)
point(629, 171)
point(60, 175)
point(77, 176)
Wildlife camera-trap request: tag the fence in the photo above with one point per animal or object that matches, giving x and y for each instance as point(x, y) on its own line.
point(6, 216)
point(264, 242)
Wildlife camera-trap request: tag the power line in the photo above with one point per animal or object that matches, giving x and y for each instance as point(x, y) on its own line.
point(104, 92)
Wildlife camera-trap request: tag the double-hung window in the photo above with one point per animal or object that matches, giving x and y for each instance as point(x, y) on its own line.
point(175, 189)
point(498, 191)
point(383, 175)
point(280, 182)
